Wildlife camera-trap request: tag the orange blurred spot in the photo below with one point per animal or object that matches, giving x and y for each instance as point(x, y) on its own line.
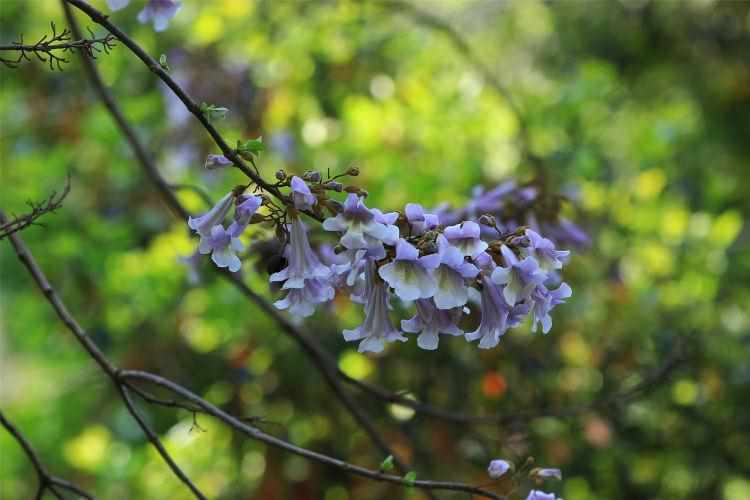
point(597, 432)
point(494, 385)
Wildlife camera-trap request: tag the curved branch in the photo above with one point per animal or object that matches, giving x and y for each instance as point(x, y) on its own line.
point(46, 480)
point(52, 203)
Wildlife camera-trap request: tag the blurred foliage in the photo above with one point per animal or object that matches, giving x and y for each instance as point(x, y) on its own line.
point(640, 111)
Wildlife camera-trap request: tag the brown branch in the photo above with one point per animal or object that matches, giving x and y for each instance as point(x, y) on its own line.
point(47, 482)
point(38, 209)
point(120, 379)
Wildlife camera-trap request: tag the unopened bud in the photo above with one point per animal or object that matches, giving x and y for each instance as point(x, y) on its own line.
point(280, 175)
point(353, 171)
point(312, 176)
point(334, 186)
point(488, 220)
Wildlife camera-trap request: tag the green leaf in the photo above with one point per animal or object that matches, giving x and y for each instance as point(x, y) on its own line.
point(163, 62)
point(250, 148)
point(387, 464)
point(213, 112)
point(410, 477)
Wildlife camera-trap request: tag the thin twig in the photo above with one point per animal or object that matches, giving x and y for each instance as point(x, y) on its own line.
point(52, 203)
point(46, 480)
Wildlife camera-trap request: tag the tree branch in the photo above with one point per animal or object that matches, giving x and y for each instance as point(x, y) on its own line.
point(52, 203)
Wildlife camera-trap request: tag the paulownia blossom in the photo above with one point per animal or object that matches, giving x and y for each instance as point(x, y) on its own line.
point(410, 275)
point(158, 12)
point(430, 321)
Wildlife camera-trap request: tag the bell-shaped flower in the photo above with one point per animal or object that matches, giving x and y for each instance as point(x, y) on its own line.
point(410, 275)
point(494, 321)
point(302, 301)
point(222, 247)
point(377, 328)
point(520, 278)
point(430, 321)
point(419, 221)
point(246, 207)
point(544, 251)
point(363, 227)
point(544, 301)
point(451, 276)
point(159, 12)
point(303, 263)
point(540, 495)
point(498, 468)
point(216, 161)
point(204, 224)
point(466, 237)
point(301, 195)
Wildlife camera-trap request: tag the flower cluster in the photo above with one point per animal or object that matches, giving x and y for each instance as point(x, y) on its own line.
point(499, 468)
point(157, 12)
point(438, 264)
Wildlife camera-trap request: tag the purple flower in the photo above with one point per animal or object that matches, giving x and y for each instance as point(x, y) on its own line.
point(519, 277)
point(301, 195)
point(540, 495)
point(498, 468)
point(303, 264)
point(247, 205)
point(222, 247)
point(547, 473)
point(377, 327)
point(465, 237)
point(117, 4)
point(216, 161)
point(431, 321)
point(419, 221)
point(159, 12)
point(363, 227)
point(204, 224)
point(451, 275)
point(544, 251)
point(410, 275)
point(494, 321)
point(302, 301)
point(192, 263)
point(543, 302)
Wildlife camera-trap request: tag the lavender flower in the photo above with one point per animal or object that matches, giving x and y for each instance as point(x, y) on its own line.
point(409, 274)
point(301, 195)
point(547, 473)
point(246, 207)
point(494, 321)
point(192, 263)
point(544, 251)
point(540, 495)
point(363, 227)
point(377, 327)
point(303, 263)
point(429, 322)
point(419, 221)
point(302, 301)
point(117, 4)
point(216, 161)
point(159, 12)
point(204, 224)
point(498, 468)
point(519, 277)
point(543, 302)
point(222, 247)
point(451, 275)
point(466, 237)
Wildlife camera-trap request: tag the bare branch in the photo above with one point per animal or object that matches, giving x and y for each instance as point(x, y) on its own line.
point(46, 480)
point(52, 203)
point(45, 49)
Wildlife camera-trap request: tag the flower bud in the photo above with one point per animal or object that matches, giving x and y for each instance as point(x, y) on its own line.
point(353, 171)
point(488, 220)
point(312, 176)
point(334, 186)
point(280, 175)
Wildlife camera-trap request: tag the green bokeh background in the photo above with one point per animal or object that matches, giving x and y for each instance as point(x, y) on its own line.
point(640, 111)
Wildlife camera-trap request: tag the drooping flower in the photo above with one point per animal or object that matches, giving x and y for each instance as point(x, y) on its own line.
point(216, 161)
point(544, 251)
point(247, 205)
point(159, 12)
point(519, 277)
point(498, 468)
point(494, 320)
point(302, 301)
point(117, 4)
point(466, 237)
point(419, 221)
point(377, 327)
point(301, 195)
point(540, 495)
point(544, 301)
point(303, 263)
point(451, 275)
point(409, 274)
point(204, 224)
point(222, 247)
point(429, 322)
point(363, 227)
